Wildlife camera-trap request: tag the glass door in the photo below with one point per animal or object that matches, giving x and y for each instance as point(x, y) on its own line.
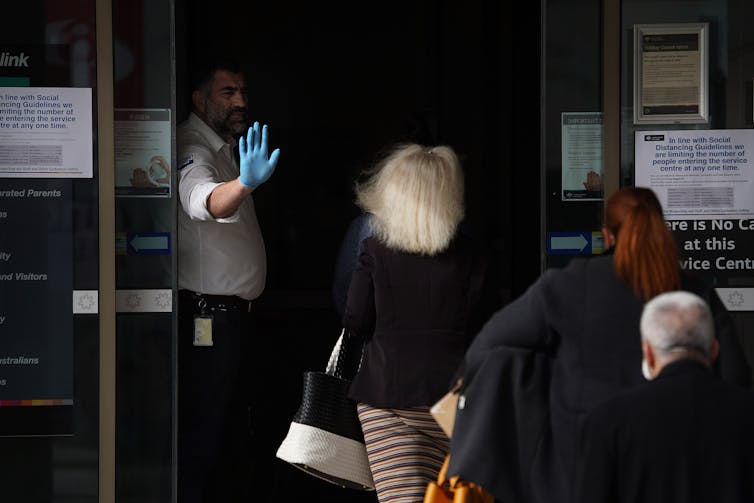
point(51, 329)
point(659, 94)
point(687, 131)
point(145, 198)
point(87, 205)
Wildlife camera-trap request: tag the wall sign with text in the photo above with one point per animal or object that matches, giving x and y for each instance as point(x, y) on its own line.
point(581, 156)
point(46, 132)
point(704, 180)
point(671, 73)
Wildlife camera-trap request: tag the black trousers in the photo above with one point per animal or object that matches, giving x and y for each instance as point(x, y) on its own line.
point(214, 451)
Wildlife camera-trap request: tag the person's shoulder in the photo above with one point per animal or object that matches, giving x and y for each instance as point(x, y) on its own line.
point(578, 267)
point(360, 225)
point(372, 244)
point(465, 240)
point(361, 219)
point(622, 405)
point(464, 231)
point(193, 155)
point(195, 133)
point(599, 261)
point(583, 270)
point(193, 147)
point(726, 399)
point(185, 126)
point(186, 134)
point(744, 396)
point(582, 262)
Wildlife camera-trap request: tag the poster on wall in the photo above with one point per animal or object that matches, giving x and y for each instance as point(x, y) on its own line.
point(705, 182)
point(671, 73)
point(142, 152)
point(581, 156)
point(46, 152)
point(46, 132)
point(698, 174)
point(36, 280)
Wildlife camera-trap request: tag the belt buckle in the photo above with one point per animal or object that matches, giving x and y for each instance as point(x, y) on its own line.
point(228, 302)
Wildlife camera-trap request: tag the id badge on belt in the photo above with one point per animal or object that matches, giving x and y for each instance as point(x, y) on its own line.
point(203, 326)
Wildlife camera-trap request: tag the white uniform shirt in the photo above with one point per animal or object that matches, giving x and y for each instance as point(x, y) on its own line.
point(217, 256)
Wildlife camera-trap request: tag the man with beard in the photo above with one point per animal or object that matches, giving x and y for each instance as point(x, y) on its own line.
point(221, 269)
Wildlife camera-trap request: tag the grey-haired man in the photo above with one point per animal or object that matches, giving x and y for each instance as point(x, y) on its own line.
point(685, 436)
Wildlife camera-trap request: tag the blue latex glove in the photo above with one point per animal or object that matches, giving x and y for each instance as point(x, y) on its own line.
point(256, 168)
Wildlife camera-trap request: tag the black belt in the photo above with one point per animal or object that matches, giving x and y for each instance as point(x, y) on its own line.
point(214, 302)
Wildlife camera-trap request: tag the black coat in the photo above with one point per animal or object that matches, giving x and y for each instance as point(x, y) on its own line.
point(502, 437)
point(587, 321)
point(684, 437)
point(418, 314)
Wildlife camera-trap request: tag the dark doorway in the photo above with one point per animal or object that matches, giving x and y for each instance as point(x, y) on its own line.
point(338, 82)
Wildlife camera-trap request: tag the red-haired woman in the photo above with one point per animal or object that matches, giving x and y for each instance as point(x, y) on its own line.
point(585, 317)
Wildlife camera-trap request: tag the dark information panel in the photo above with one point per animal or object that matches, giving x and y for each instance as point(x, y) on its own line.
point(36, 274)
point(720, 249)
point(36, 316)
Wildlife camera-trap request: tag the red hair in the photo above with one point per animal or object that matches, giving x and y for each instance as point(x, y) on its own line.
point(645, 256)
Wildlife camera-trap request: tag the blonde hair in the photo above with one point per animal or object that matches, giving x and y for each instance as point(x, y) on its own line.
point(416, 196)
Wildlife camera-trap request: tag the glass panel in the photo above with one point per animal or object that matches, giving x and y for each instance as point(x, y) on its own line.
point(572, 133)
point(718, 247)
point(145, 263)
point(53, 238)
point(660, 12)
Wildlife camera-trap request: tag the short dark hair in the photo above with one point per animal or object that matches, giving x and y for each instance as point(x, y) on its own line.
point(204, 70)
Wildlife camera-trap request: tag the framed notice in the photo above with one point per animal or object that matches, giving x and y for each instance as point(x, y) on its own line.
point(671, 73)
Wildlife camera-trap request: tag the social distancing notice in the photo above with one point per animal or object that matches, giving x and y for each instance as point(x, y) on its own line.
point(705, 182)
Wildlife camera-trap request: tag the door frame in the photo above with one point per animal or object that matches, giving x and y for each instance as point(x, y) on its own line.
point(106, 222)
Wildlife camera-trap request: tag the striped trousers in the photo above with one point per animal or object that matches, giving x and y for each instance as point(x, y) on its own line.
point(405, 447)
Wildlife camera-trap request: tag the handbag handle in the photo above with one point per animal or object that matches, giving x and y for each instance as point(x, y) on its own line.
point(462, 489)
point(341, 362)
point(332, 363)
point(442, 476)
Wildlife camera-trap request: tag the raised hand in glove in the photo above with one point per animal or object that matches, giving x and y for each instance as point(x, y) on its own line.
point(256, 167)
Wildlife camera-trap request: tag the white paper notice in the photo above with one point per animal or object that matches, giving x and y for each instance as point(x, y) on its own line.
point(698, 174)
point(581, 156)
point(46, 132)
point(142, 152)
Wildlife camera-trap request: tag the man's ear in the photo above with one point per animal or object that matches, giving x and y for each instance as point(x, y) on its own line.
point(649, 356)
point(608, 238)
point(197, 99)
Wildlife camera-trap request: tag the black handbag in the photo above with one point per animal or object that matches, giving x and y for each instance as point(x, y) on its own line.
point(325, 438)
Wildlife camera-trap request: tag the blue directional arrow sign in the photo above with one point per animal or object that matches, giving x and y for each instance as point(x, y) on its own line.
point(571, 243)
point(149, 243)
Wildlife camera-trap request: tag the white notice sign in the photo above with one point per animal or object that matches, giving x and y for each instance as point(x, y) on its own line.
point(46, 132)
point(698, 174)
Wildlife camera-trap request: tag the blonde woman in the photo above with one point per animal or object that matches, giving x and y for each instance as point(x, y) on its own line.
point(414, 297)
